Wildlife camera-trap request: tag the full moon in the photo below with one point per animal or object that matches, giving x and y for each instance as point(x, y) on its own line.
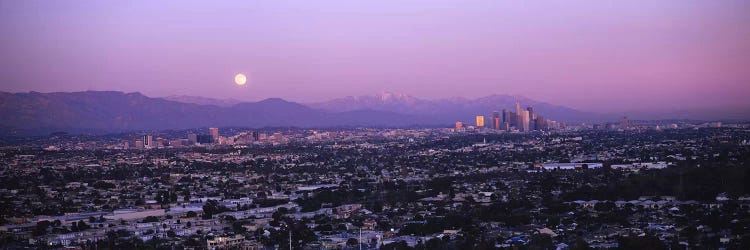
point(240, 79)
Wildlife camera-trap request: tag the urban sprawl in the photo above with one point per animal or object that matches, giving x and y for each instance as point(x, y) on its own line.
point(522, 182)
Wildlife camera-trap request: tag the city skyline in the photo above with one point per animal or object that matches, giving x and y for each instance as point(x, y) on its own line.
point(374, 125)
point(605, 55)
point(107, 112)
point(386, 98)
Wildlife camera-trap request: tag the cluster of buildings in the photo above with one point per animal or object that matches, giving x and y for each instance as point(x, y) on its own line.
point(211, 138)
point(522, 120)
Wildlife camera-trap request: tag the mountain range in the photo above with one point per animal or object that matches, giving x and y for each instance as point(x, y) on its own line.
point(35, 113)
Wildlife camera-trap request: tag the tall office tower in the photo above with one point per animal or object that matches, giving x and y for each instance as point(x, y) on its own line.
point(532, 115)
point(256, 136)
point(624, 122)
point(148, 141)
point(480, 121)
point(192, 138)
point(513, 119)
point(496, 120)
point(539, 123)
point(205, 139)
point(459, 125)
point(523, 120)
point(214, 134)
point(532, 118)
point(518, 116)
point(506, 119)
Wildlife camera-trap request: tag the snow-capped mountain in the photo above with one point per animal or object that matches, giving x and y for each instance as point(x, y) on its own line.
point(454, 108)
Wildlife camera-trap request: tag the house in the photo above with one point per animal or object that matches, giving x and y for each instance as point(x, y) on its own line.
point(229, 242)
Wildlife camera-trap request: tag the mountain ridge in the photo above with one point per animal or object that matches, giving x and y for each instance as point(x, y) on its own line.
point(203, 100)
point(36, 113)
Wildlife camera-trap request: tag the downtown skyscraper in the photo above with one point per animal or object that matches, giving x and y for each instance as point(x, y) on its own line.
point(496, 120)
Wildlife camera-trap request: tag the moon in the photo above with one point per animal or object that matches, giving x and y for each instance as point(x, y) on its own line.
point(240, 79)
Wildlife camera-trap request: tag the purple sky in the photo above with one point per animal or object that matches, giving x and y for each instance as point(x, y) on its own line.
point(592, 55)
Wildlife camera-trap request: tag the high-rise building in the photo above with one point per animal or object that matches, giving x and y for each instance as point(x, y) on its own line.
point(480, 121)
point(192, 138)
point(518, 121)
point(148, 141)
point(256, 136)
point(214, 132)
point(540, 123)
point(205, 139)
point(459, 125)
point(523, 120)
point(532, 118)
point(496, 120)
point(506, 119)
point(532, 115)
point(624, 122)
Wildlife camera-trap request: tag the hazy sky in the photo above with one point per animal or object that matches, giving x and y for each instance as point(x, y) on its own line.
point(592, 55)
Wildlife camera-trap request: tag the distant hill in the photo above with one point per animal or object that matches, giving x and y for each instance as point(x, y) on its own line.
point(203, 100)
point(109, 111)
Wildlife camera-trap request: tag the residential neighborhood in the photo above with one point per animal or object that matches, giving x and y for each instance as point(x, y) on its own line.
point(575, 188)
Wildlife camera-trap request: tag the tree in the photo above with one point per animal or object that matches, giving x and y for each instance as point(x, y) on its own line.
point(644, 243)
point(150, 219)
point(41, 228)
point(79, 226)
point(541, 241)
point(580, 244)
point(435, 243)
point(604, 206)
point(238, 228)
point(212, 207)
point(352, 242)
point(401, 245)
